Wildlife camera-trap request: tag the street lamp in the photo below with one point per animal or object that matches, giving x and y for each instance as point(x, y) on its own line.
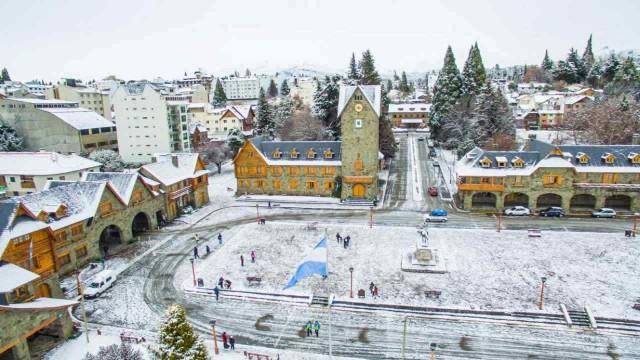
point(215, 339)
point(351, 286)
point(433, 347)
point(371, 218)
point(193, 270)
point(544, 279)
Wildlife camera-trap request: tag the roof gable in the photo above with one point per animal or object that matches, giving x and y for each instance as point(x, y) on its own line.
point(372, 93)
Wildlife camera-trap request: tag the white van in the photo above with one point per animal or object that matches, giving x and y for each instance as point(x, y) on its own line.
point(100, 283)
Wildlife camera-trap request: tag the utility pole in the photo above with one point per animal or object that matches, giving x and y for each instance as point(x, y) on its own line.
point(257, 214)
point(404, 336)
point(84, 312)
point(499, 222)
point(371, 218)
point(215, 339)
point(193, 271)
point(635, 224)
point(540, 304)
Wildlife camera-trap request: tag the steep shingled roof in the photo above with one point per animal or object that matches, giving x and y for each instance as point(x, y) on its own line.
point(373, 94)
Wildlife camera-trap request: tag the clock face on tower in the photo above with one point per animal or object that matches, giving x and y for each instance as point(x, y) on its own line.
point(358, 107)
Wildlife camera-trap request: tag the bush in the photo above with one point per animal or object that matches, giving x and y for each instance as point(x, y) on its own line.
point(115, 352)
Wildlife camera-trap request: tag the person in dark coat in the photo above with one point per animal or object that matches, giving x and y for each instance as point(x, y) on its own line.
point(338, 238)
point(216, 291)
point(224, 340)
point(208, 249)
point(195, 253)
point(220, 282)
point(232, 342)
point(227, 284)
point(371, 287)
point(220, 238)
point(105, 248)
point(346, 241)
point(241, 260)
point(269, 204)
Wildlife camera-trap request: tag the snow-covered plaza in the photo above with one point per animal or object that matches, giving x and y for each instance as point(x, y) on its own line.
point(485, 269)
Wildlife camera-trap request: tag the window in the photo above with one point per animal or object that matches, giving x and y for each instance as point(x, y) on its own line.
point(276, 184)
point(552, 180)
point(276, 154)
point(95, 131)
point(84, 132)
point(517, 162)
point(293, 170)
point(485, 162)
point(328, 154)
point(64, 259)
point(311, 154)
point(294, 154)
point(105, 129)
point(81, 252)
point(309, 170)
point(609, 178)
point(485, 180)
point(259, 183)
point(106, 208)
point(358, 123)
point(76, 230)
point(328, 185)
point(328, 170)
point(21, 239)
point(12, 179)
point(276, 170)
point(517, 181)
point(293, 184)
point(502, 164)
point(608, 158)
point(62, 177)
point(61, 236)
point(312, 184)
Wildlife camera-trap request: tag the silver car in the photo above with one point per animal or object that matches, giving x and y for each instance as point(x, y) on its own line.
point(604, 213)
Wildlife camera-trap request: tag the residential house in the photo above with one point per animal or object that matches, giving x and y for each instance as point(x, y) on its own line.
point(199, 135)
point(409, 116)
point(182, 177)
point(199, 78)
point(576, 102)
point(240, 117)
point(58, 125)
point(575, 177)
point(22, 173)
point(263, 166)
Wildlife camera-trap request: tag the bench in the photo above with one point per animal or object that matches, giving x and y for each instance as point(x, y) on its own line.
point(132, 339)
point(433, 293)
point(636, 306)
point(312, 226)
point(250, 355)
point(254, 279)
point(534, 233)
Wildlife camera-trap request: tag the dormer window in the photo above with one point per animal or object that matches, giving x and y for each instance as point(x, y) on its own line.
point(558, 152)
point(502, 161)
point(634, 158)
point(276, 154)
point(517, 162)
point(311, 154)
point(608, 158)
point(294, 154)
point(328, 154)
point(582, 158)
point(485, 162)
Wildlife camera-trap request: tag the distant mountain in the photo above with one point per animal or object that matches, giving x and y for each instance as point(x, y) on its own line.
point(300, 70)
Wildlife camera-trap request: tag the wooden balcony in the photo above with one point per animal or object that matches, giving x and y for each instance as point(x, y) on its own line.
point(27, 185)
point(480, 187)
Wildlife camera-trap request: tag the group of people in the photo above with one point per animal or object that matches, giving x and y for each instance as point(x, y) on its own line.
point(373, 289)
point(253, 258)
point(224, 284)
point(312, 327)
point(196, 255)
point(344, 241)
point(228, 342)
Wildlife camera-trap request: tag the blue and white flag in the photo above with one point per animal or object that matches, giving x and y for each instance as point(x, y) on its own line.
point(314, 263)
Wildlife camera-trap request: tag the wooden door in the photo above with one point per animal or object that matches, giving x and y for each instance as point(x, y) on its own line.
point(43, 291)
point(358, 190)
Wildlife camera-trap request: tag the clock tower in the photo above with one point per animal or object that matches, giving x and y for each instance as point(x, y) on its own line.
point(359, 109)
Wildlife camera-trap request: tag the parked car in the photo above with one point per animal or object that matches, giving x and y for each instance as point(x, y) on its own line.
point(430, 143)
point(517, 210)
point(187, 210)
point(436, 163)
point(432, 153)
point(420, 138)
point(604, 213)
point(553, 211)
point(433, 191)
point(436, 215)
point(100, 283)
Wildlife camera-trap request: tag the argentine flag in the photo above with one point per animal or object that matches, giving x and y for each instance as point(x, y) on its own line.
point(314, 263)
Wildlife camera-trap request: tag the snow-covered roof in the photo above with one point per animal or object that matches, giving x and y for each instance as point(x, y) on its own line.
point(13, 276)
point(40, 303)
point(44, 101)
point(267, 149)
point(194, 125)
point(80, 118)
point(164, 171)
point(122, 183)
point(43, 163)
point(409, 108)
point(373, 94)
point(501, 159)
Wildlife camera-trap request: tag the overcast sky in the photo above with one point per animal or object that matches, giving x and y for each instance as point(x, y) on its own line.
point(135, 39)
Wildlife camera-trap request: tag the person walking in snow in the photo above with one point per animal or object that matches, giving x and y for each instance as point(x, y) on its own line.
point(195, 253)
point(197, 237)
point(308, 327)
point(227, 283)
point(224, 340)
point(346, 241)
point(253, 256)
point(338, 238)
point(375, 292)
point(371, 287)
point(220, 238)
point(208, 250)
point(220, 282)
point(269, 205)
point(232, 342)
point(216, 291)
point(241, 260)
point(316, 327)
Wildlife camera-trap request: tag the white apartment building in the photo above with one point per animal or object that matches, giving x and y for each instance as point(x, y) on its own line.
point(240, 88)
point(86, 97)
point(151, 121)
point(22, 173)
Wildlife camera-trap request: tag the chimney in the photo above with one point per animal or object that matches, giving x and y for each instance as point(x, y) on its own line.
point(174, 160)
point(635, 139)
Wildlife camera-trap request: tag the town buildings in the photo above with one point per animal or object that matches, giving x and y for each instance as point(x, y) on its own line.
point(409, 115)
point(22, 173)
point(58, 125)
point(575, 177)
point(87, 97)
point(151, 121)
point(263, 166)
point(199, 135)
point(241, 117)
point(199, 78)
point(240, 88)
point(537, 110)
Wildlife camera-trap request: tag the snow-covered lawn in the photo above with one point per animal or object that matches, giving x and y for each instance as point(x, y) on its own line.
point(486, 269)
point(77, 348)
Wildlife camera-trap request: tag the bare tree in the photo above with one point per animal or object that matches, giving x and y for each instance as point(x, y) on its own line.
point(216, 154)
point(501, 141)
point(302, 126)
point(610, 122)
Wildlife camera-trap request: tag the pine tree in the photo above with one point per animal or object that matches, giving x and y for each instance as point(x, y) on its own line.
point(395, 76)
point(5, 75)
point(565, 71)
point(247, 73)
point(352, 74)
point(284, 88)
point(404, 84)
point(587, 57)
point(283, 112)
point(177, 340)
point(493, 108)
point(110, 160)
point(610, 67)
point(389, 85)
point(219, 97)
point(574, 60)
point(469, 85)
point(426, 83)
point(446, 92)
point(326, 106)
point(9, 138)
point(594, 77)
point(265, 125)
point(368, 73)
point(273, 89)
point(235, 140)
point(386, 139)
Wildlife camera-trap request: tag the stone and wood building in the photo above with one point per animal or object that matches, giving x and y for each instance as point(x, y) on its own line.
point(263, 166)
point(574, 177)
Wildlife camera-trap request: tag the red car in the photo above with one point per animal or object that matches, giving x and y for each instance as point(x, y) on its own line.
point(433, 191)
